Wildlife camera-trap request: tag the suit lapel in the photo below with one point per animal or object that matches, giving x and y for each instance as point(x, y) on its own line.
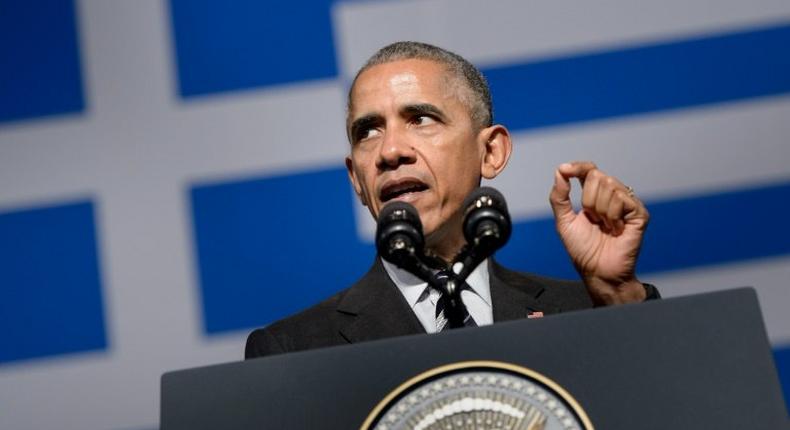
point(514, 296)
point(374, 308)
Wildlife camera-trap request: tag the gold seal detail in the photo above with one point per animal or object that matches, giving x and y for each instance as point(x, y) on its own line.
point(478, 395)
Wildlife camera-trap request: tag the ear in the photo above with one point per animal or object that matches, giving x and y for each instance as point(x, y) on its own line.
point(352, 176)
point(497, 147)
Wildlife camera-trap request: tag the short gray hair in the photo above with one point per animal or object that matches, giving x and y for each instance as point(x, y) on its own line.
point(478, 100)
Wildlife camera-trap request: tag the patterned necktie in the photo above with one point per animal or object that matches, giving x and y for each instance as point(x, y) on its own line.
point(442, 303)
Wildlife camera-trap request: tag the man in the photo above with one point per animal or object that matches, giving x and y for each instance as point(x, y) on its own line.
point(421, 131)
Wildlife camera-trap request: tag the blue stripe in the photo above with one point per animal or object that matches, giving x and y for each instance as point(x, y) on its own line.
point(249, 258)
point(227, 46)
point(50, 288)
point(644, 79)
point(39, 60)
point(683, 233)
point(782, 359)
point(270, 247)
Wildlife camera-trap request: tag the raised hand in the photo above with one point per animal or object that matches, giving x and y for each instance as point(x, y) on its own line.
point(603, 239)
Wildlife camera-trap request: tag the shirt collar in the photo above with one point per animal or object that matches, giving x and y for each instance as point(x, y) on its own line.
point(412, 287)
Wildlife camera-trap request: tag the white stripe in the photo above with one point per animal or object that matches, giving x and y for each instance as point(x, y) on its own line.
point(663, 156)
point(441, 321)
point(768, 276)
point(226, 139)
point(499, 31)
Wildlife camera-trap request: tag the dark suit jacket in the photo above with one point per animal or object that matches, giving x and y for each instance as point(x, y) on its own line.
point(373, 308)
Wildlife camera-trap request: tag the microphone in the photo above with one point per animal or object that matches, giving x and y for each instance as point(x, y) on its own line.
point(399, 237)
point(486, 227)
point(487, 223)
point(400, 240)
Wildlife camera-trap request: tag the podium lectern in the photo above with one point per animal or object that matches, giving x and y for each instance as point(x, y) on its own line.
point(696, 362)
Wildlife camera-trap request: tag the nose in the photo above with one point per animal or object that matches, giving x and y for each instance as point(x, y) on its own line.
point(396, 149)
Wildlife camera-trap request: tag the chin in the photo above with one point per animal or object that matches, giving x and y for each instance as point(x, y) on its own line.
point(432, 232)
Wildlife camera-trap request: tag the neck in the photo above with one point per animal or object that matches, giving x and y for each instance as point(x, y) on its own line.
point(446, 242)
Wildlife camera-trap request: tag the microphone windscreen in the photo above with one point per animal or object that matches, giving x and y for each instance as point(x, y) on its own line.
point(497, 200)
point(486, 207)
point(398, 220)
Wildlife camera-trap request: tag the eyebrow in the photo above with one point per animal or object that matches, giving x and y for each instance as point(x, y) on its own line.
point(423, 109)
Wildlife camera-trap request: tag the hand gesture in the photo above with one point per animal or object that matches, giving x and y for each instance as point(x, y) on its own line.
point(604, 238)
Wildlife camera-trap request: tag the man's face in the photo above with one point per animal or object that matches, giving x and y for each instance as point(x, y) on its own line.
point(412, 139)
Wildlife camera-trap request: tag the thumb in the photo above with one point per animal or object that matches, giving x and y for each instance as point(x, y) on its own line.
point(560, 198)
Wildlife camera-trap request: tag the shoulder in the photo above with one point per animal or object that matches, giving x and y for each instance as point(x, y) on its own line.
point(310, 328)
point(560, 294)
point(319, 325)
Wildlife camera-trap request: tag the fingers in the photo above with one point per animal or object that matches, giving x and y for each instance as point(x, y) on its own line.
point(634, 211)
point(590, 195)
point(560, 198)
point(615, 211)
point(577, 169)
point(605, 200)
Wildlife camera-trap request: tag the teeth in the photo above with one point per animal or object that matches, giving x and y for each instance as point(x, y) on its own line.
point(402, 189)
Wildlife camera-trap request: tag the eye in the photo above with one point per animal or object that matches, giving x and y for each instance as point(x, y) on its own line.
point(424, 120)
point(366, 133)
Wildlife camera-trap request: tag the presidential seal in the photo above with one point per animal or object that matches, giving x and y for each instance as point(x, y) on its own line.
point(478, 395)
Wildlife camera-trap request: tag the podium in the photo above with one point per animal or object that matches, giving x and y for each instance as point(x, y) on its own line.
point(695, 362)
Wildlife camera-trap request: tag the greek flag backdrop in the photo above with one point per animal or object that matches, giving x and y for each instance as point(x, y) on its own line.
point(171, 172)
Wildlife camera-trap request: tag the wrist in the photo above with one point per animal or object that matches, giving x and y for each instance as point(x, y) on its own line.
point(651, 291)
point(607, 293)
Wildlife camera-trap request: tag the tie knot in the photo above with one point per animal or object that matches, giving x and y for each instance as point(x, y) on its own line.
point(443, 275)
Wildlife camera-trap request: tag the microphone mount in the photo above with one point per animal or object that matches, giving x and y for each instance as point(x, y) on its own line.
point(486, 228)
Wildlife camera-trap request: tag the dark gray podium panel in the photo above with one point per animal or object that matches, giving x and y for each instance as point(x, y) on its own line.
point(700, 362)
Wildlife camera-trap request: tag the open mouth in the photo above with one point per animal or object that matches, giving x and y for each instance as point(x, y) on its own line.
point(401, 189)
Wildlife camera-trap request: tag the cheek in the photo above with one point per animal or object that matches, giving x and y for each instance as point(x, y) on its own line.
point(367, 191)
point(457, 176)
point(360, 159)
point(362, 184)
point(459, 169)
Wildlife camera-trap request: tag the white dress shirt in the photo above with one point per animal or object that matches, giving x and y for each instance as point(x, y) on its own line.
point(477, 300)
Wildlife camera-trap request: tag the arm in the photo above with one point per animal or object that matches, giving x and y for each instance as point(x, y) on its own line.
point(261, 343)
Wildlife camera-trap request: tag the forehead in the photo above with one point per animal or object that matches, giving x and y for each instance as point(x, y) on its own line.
point(402, 81)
